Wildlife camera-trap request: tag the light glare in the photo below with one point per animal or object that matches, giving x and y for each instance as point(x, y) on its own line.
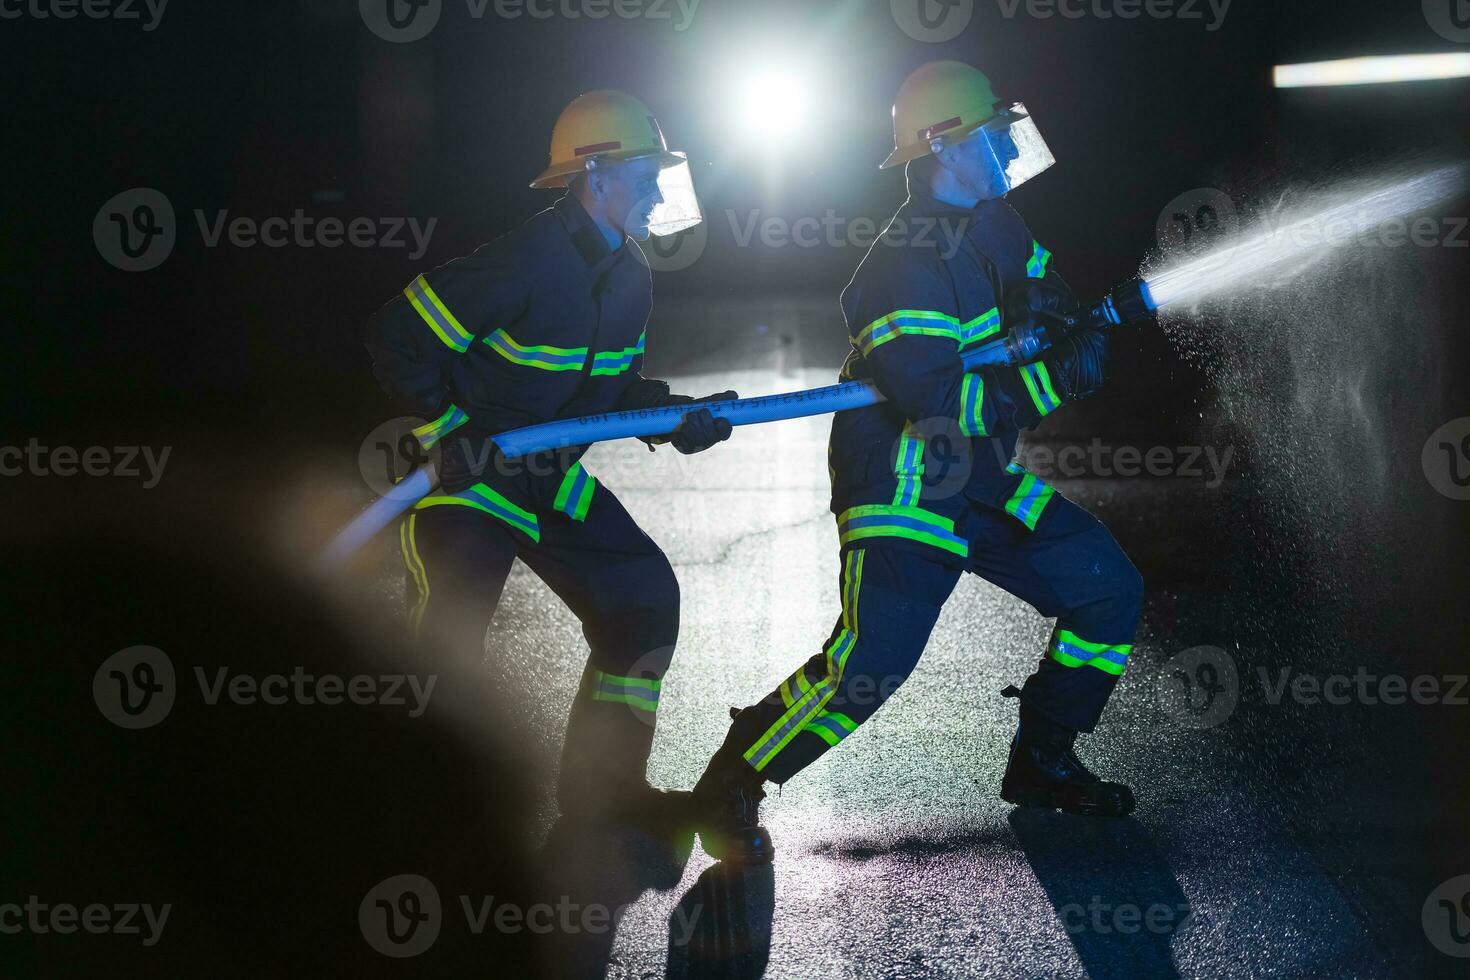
point(772, 104)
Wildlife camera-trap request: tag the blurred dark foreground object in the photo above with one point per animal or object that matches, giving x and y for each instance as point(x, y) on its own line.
point(275, 837)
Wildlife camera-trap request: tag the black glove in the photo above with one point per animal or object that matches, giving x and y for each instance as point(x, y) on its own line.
point(1079, 363)
point(1045, 302)
point(702, 429)
point(699, 430)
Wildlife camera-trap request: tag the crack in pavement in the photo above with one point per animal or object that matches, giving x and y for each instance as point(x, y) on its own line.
point(725, 550)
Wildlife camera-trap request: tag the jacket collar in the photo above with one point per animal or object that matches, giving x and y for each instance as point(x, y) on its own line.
point(586, 236)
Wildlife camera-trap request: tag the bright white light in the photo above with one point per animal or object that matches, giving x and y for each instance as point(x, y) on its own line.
point(773, 104)
point(1368, 71)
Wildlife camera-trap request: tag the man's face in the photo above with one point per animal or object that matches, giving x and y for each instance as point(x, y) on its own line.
point(974, 164)
point(632, 192)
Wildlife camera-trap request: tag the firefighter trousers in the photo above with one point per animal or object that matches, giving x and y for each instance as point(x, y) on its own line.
point(1069, 567)
point(612, 576)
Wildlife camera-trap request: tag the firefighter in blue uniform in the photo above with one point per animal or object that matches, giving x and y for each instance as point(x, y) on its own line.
point(925, 486)
point(542, 323)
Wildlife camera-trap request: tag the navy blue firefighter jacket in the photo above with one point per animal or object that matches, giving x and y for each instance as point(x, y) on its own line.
point(913, 471)
point(545, 322)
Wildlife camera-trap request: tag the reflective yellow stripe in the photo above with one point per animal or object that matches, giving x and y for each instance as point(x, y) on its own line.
point(1029, 498)
point(618, 361)
point(908, 467)
point(789, 724)
point(985, 325)
point(1036, 265)
point(437, 315)
point(544, 357)
point(584, 484)
point(928, 323)
point(972, 405)
point(1071, 650)
point(803, 700)
point(433, 432)
point(486, 500)
point(1038, 384)
point(913, 523)
point(408, 544)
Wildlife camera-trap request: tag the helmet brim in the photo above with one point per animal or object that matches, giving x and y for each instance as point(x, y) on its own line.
point(557, 174)
point(920, 148)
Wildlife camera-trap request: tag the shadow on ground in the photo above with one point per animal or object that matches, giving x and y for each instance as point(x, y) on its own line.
point(1113, 891)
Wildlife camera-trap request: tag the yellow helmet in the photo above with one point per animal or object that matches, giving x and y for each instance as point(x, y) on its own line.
point(943, 98)
point(604, 124)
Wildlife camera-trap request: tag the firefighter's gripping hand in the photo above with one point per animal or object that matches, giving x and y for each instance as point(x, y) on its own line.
point(702, 429)
point(1047, 302)
point(1079, 363)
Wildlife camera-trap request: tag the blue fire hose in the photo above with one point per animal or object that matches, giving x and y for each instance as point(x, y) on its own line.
point(1022, 345)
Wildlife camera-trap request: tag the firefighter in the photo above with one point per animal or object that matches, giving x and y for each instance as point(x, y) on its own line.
point(925, 486)
point(547, 322)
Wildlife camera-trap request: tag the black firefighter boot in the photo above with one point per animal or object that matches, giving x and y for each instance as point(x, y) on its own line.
point(1043, 771)
point(727, 804)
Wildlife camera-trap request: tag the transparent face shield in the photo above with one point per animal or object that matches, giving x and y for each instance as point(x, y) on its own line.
point(679, 208)
point(1014, 147)
point(664, 202)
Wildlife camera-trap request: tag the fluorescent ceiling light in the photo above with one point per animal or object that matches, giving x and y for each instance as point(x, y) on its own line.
point(1369, 71)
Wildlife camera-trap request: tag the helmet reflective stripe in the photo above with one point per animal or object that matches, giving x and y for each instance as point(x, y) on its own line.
point(929, 132)
point(583, 151)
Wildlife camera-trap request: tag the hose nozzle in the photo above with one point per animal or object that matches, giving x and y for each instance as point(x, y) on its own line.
point(1028, 341)
point(1127, 303)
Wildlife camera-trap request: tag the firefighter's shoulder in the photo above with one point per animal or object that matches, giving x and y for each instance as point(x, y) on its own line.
point(897, 265)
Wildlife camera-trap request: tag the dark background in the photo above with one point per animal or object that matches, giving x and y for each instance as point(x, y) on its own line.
point(249, 362)
point(267, 107)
